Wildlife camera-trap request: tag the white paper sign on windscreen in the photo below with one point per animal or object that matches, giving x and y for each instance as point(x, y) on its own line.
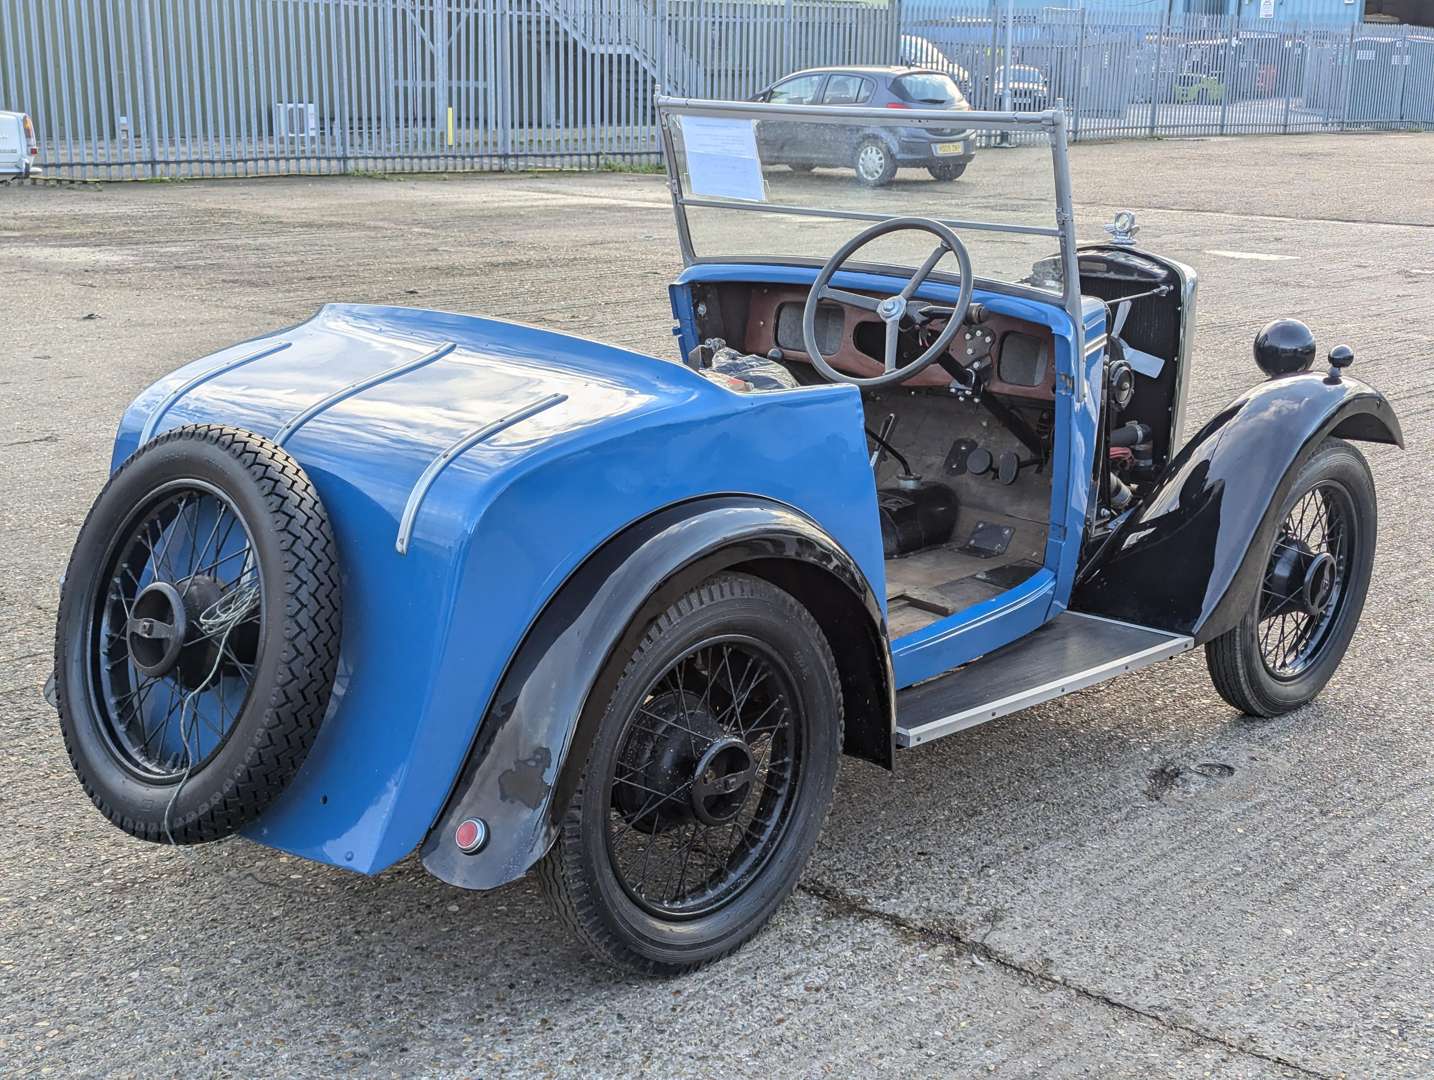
point(722, 161)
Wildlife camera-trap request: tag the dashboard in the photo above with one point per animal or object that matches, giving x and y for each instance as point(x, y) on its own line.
point(1022, 358)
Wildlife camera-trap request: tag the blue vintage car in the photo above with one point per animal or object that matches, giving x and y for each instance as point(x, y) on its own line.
point(396, 579)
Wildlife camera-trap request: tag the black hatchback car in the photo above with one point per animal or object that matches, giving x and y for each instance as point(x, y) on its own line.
point(875, 153)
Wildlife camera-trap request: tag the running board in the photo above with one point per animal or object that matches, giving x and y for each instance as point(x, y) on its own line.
point(1069, 653)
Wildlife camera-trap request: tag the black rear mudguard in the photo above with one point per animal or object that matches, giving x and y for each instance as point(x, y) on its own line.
point(1190, 555)
point(534, 741)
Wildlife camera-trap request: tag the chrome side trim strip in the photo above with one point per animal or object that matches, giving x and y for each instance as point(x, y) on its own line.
point(462, 446)
point(155, 417)
point(1097, 344)
point(359, 387)
point(979, 714)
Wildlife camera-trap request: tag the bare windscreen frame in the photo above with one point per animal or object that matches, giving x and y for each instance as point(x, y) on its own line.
point(801, 199)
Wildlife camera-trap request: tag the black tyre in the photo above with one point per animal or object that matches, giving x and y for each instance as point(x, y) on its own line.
point(946, 170)
point(707, 784)
point(1317, 574)
point(198, 634)
point(801, 166)
point(874, 162)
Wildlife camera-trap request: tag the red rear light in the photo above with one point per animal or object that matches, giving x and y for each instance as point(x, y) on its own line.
point(897, 105)
point(30, 136)
point(470, 836)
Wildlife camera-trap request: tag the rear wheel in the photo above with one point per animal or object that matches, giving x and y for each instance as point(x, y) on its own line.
point(1317, 573)
point(875, 164)
point(707, 783)
point(946, 170)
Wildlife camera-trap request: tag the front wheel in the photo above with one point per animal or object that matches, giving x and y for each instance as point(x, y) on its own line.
point(707, 784)
point(1317, 573)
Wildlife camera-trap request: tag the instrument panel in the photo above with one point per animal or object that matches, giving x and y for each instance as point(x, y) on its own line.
point(1022, 354)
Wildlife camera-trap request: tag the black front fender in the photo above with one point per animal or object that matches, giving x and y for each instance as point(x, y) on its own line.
point(1189, 556)
point(531, 746)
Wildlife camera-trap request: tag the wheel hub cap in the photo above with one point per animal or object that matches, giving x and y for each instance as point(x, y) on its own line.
point(157, 628)
point(1301, 580)
point(723, 778)
point(1318, 585)
point(164, 632)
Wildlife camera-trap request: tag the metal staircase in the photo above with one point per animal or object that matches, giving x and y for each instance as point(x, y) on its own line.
point(629, 28)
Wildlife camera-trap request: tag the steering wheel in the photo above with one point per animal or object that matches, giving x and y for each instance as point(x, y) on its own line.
point(892, 309)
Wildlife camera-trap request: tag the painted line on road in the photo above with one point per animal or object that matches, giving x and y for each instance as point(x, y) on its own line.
point(1245, 216)
point(1258, 256)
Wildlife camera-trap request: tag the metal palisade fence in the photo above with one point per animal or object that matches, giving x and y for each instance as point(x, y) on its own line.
point(1121, 74)
point(156, 88)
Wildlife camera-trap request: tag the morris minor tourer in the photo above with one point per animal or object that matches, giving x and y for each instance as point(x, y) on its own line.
point(397, 580)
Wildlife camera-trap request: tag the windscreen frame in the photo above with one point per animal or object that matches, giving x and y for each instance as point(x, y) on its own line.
point(1051, 122)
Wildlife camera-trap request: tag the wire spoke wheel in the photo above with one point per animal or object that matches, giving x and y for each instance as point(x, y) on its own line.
point(710, 774)
point(176, 632)
point(198, 634)
point(1304, 584)
point(705, 777)
point(1301, 618)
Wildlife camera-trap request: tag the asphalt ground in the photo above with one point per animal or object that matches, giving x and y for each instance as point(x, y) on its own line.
point(1132, 881)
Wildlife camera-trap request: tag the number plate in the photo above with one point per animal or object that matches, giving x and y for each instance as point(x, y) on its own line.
point(944, 148)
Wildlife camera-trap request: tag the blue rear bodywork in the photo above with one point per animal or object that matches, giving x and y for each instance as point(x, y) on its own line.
point(427, 634)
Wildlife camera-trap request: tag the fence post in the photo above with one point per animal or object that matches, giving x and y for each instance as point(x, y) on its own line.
point(505, 83)
point(1080, 80)
point(1155, 72)
point(664, 76)
point(1225, 70)
point(1006, 57)
point(1404, 58)
point(342, 73)
point(1285, 78)
point(789, 42)
point(1348, 76)
point(151, 99)
point(990, 94)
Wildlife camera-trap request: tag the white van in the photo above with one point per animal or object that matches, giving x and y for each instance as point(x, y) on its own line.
point(17, 146)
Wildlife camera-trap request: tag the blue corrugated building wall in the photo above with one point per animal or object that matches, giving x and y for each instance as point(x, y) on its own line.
point(1287, 11)
point(1323, 12)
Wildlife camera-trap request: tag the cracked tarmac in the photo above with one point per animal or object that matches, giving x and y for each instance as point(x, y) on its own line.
point(1129, 882)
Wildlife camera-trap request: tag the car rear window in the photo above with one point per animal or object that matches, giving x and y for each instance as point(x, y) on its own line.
point(927, 88)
